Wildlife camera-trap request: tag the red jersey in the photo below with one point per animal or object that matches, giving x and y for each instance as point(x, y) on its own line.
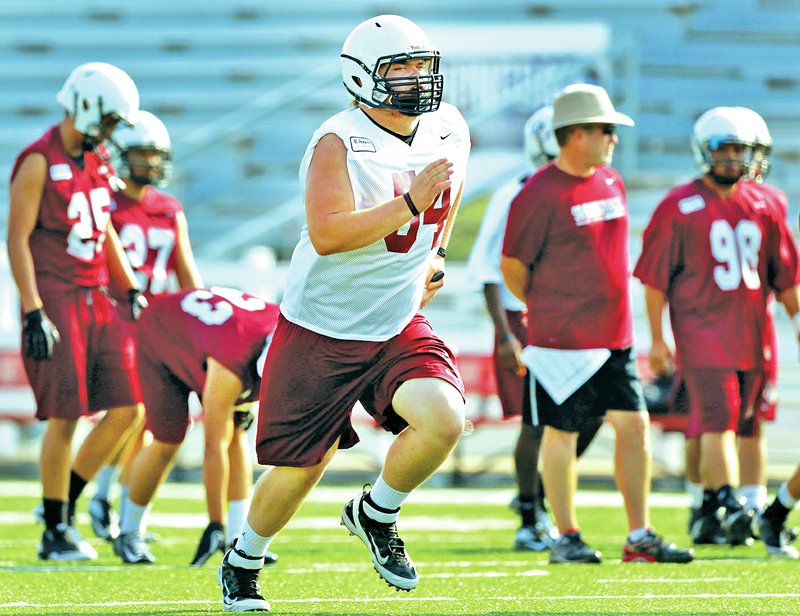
point(717, 259)
point(148, 232)
point(572, 233)
point(67, 243)
point(180, 330)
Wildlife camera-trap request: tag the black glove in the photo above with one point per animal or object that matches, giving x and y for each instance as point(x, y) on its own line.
point(138, 303)
point(39, 335)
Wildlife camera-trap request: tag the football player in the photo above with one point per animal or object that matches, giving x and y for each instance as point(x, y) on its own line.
point(153, 231)
point(379, 180)
point(509, 317)
point(78, 354)
point(713, 251)
point(205, 341)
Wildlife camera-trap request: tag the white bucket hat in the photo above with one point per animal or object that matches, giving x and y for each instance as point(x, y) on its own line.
point(583, 103)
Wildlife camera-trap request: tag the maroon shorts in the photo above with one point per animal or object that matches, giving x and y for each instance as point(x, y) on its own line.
point(166, 399)
point(719, 399)
point(93, 367)
point(510, 387)
point(312, 382)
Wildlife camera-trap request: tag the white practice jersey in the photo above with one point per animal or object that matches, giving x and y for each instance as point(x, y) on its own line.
point(484, 260)
point(371, 293)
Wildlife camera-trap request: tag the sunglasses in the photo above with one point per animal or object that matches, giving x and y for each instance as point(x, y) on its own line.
point(606, 129)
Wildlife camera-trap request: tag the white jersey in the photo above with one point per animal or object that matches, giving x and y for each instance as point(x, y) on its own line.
point(371, 293)
point(484, 259)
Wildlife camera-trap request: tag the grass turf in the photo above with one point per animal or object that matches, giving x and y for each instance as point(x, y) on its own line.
point(460, 540)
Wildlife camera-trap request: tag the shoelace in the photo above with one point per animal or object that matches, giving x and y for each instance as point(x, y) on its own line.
point(245, 582)
point(394, 542)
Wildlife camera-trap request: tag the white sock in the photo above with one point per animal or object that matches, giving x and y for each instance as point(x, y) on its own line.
point(387, 500)
point(124, 493)
point(637, 534)
point(786, 499)
point(255, 546)
point(135, 518)
point(695, 491)
point(104, 480)
point(237, 514)
point(755, 496)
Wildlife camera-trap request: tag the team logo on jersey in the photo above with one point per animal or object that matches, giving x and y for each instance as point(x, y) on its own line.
point(695, 203)
point(361, 144)
point(60, 172)
point(596, 211)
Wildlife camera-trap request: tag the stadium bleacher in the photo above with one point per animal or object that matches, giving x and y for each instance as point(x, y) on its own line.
point(196, 62)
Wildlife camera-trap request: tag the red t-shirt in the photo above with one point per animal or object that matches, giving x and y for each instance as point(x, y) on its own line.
point(572, 233)
point(149, 233)
point(716, 259)
point(68, 242)
point(180, 330)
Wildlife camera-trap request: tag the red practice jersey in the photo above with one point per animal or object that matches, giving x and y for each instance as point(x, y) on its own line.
point(68, 242)
point(180, 330)
point(572, 233)
point(149, 233)
point(717, 259)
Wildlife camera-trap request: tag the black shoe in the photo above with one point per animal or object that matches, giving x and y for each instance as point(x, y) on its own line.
point(132, 549)
point(212, 541)
point(694, 515)
point(773, 534)
point(707, 530)
point(738, 526)
point(64, 543)
point(570, 548)
point(240, 589)
point(386, 548)
point(101, 514)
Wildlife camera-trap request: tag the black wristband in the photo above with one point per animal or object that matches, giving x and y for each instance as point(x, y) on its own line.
point(505, 338)
point(410, 204)
point(441, 252)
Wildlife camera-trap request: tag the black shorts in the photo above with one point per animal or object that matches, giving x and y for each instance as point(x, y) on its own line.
point(615, 386)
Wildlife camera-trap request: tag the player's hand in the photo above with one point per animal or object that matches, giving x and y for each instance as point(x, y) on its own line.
point(434, 280)
point(660, 358)
point(138, 303)
point(509, 350)
point(40, 336)
point(430, 182)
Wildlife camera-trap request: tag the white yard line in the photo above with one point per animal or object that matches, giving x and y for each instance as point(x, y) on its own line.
point(529, 598)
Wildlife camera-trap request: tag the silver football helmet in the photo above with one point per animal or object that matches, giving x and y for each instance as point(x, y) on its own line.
point(540, 139)
point(375, 44)
point(714, 129)
point(96, 95)
point(146, 135)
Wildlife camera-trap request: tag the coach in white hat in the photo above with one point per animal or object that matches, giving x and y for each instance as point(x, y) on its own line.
point(584, 103)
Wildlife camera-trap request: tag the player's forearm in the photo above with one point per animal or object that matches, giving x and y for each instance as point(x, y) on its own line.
point(24, 273)
point(655, 301)
point(491, 292)
point(516, 277)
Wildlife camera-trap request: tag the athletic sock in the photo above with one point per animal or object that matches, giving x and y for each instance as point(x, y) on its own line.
point(103, 482)
point(250, 544)
point(55, 512)
point(76, 486)
point(135, 519)
point(237, 514)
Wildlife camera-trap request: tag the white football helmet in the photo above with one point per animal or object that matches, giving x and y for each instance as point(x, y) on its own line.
point(540, 139)
point(763, 147)
point(95, 90)
point(378, 42)
point(146, 132)
point(717, 127)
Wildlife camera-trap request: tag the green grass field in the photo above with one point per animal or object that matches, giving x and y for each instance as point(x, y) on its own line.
point(459, 538)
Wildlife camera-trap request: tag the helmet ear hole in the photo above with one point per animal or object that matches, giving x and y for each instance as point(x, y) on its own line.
point(357, 81)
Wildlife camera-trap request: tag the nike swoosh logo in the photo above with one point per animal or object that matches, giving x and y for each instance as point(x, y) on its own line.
point(443, 137)
point(381, 559)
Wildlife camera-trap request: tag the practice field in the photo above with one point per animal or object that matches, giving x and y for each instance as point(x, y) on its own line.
point(460, 540)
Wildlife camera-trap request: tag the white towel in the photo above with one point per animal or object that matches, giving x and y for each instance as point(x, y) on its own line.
point(562, 371)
